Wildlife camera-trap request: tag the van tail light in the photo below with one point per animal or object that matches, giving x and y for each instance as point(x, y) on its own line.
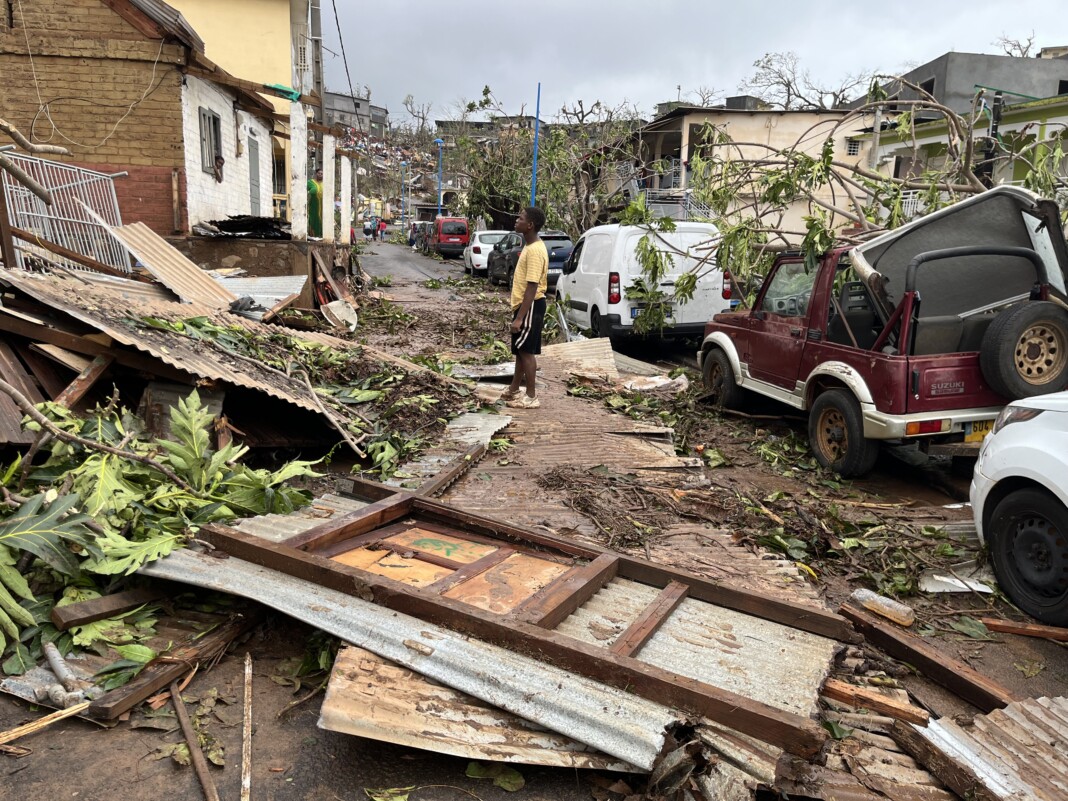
point(476, 249)
point(613, 288)
point(726, 289)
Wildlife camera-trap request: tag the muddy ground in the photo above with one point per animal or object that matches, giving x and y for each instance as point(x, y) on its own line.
point(758, 485)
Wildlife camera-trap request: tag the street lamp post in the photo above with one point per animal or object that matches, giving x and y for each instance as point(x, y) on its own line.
point(440, 143)
point(404, 169)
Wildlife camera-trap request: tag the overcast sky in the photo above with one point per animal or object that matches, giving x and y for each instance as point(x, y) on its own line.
point(624, 50)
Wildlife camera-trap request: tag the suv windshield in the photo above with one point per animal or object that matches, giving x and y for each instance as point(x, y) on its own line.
point(454, 228)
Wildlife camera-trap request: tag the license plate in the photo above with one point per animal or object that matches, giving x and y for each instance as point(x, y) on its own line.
point(974, 432)
point(454, 239)
point(636, 310)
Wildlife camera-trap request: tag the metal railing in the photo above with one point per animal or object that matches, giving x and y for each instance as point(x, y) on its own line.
point(65, 222)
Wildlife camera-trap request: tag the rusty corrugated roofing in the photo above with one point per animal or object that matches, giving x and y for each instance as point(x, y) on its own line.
point(171, 268)
point(1013, 753)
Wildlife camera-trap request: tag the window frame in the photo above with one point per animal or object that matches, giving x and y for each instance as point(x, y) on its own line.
point(210, 138)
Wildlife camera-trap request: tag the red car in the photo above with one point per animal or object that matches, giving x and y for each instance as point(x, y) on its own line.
point(449, 236)
point(923, 334)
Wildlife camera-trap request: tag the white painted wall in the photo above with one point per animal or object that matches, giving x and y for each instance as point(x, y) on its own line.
point(206, 198)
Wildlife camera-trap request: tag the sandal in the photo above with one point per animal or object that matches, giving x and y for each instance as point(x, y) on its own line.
point(524, 402)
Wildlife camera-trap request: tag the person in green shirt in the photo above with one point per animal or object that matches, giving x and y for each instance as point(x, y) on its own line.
point(315, 204)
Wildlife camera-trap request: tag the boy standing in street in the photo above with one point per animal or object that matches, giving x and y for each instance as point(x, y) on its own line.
point(529, 282)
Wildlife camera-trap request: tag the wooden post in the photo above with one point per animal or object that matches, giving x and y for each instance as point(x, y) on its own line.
point(7, 243)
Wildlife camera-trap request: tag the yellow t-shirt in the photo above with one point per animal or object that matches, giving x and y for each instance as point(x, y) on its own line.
point(532, 267)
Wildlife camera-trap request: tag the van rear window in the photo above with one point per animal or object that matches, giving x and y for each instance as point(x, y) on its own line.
point(454, 228)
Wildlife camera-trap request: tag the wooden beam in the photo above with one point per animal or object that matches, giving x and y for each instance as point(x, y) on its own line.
point(43, 369)
point(170, 667)
point(791, 732)
point(973, 687)
point(353, 524)
point(469, 571)
point(78, 258)
point(959, 777)
point(870, 698)
point(799, 616)
point(1057, 633)
point(78, 614)
point(77, 388)
point(249, 86)
point(456, 468)
point(7, 244)
point(650, 620)
point(79, 344)
point(555, 602)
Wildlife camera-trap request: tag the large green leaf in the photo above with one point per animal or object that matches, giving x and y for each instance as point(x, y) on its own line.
point(102, 487)
point(121, 555)
point(48, 532)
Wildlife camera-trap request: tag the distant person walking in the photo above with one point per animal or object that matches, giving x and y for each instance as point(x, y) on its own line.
point(315, 204)
point(529, 283)
point(382, 230)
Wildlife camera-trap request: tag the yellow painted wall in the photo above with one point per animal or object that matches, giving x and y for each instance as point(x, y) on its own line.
point(247, 38)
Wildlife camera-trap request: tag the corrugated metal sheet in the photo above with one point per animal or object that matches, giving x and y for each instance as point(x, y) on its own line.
point(276, 528)
point(625, 364)
point(369, 696)
point(170, 267)
point(1017, 753)
point(138, 291)
point(592, 357)
point(268, 291)
point(460, 434)
point(104, 310)
point(615, 722)
point(724, 648)
point(171, 21)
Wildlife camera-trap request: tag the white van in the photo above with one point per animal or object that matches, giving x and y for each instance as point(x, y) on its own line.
point(603, 264)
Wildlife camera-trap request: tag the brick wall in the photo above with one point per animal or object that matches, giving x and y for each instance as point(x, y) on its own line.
point(210, 199)
point(102, 89)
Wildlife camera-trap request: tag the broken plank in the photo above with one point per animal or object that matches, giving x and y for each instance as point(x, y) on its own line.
point(169, 668)
point(553, 604)
point(89, 347)
point(15, 374)
point(284, 303)
point(353, 524)
point(456, 468)
point(789, 731)
point(1026, 629)
point(78, 614)
point(472, 569)
point(799, 616)
point(325, 272)
point(44, 370)
point(868, 698)
point(650, 620)
point(84, 381)
point(972, 686)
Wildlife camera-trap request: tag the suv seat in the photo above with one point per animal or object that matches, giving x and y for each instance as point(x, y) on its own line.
point(858, 312)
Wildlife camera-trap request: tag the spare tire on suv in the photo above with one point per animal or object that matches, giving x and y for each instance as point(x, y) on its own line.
point(1025, 350)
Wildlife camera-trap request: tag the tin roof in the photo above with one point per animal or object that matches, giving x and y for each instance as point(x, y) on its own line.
point(170, 21)
point(170, 267)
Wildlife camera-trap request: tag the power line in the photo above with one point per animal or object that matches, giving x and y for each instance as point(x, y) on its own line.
point(348, 75)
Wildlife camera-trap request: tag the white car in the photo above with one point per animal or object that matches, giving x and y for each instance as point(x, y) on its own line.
point(1019, 498)
point(477, 252)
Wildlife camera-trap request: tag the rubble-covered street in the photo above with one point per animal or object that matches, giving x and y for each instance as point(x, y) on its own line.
point(525, 433)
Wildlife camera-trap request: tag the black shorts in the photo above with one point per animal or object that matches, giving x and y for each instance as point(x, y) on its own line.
point(528, 340)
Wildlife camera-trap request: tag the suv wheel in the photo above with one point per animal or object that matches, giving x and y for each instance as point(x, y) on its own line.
point(836, 434)
point(1025, 350)
point(723, 391)
point(1027, 537)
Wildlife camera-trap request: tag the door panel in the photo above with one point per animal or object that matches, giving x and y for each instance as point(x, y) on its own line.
point(254, 175)
point(777, 332)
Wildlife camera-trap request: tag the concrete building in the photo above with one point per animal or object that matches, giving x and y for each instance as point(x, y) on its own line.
point(665, 148)
point(264, 41)
point(954, 78)
point(184, 145)
point(340, 110)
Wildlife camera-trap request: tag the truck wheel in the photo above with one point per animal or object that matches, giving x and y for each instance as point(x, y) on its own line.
point(1025, 350)
point(723, 391)
point(836, 435)
point(1026, 537)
